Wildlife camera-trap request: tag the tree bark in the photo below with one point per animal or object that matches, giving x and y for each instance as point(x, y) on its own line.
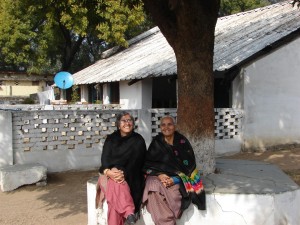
point(189, 27)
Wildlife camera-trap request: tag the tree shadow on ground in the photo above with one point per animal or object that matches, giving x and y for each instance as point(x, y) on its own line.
point(64, 195)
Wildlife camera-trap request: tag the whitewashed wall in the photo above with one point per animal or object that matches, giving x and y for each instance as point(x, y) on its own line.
point(72, 139)
point(21, 88)
point(136, 96)
point(61, 140)
point(269, 91)
point(6, 149)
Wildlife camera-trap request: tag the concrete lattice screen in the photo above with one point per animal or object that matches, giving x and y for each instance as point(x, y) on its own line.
point(72, 139)
point(228, 122)
point(60, 130)
point(43, 130)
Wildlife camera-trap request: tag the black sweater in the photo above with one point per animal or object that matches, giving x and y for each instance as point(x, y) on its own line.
point(127, 154)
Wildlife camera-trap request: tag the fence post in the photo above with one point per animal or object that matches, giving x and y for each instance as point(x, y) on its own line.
point(6, 138)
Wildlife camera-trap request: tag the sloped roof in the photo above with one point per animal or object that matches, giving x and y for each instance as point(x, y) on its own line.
point(237, 37)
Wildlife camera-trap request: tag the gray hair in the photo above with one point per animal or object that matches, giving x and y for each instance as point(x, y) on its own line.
point(168, 116)
point(120, 115)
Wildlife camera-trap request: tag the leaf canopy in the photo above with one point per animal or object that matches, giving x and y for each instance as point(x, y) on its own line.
point(46, 36)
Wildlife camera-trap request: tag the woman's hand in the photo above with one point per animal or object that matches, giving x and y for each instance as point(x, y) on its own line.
point(166, 180)
point(116, 175)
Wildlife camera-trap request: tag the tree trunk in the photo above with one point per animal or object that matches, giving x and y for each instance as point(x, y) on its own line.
point(189, 27)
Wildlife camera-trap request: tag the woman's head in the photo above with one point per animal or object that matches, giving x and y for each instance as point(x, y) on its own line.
point(167, 126)
point(125, 123)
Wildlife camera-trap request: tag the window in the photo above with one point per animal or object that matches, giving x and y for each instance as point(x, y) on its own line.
point(164, 92)
point(95, 93)
point(114, 93)
point(221, 93)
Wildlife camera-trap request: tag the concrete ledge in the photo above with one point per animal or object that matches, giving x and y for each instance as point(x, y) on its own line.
point(243, 193)
point(12, 177)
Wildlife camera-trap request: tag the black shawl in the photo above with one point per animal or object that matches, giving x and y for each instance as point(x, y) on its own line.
point(127, 154)
point(172, 160)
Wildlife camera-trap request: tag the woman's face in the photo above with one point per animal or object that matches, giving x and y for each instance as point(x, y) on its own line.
point(126, 125)
point(167, 127)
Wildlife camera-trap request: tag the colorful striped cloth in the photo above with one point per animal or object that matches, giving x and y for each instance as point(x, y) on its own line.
point(192, 183)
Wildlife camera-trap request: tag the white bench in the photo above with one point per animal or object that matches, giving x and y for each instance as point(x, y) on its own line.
point(243, 193)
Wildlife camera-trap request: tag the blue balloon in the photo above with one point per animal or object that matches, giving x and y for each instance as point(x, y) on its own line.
point(63, 80)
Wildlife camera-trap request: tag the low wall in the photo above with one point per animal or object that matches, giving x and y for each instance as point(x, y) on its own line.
point(62, 139)
point(242, 193)
point(6, 149)
point(72, 139)
point(34, 107)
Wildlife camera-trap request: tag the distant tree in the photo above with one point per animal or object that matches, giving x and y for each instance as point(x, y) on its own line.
point(228, 7)
point(47, 36)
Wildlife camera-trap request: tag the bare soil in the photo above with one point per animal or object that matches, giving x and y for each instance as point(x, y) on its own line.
point(63, 200)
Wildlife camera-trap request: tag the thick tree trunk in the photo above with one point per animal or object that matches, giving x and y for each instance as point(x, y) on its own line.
point(189, 27)
point(196, 106)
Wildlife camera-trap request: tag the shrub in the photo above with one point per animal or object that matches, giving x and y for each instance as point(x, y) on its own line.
point(28, 101)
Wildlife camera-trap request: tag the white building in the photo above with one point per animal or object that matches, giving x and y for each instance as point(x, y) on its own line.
point(256, 67)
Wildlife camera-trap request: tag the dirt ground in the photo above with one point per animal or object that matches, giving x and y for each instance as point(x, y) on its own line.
point(63, 200)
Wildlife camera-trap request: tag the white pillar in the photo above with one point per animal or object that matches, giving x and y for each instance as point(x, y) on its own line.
point(84, 93)
point(137, 95)
point(106, 94)
point(6, 149)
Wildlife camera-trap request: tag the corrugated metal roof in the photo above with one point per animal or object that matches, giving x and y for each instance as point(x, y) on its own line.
point(237, 38)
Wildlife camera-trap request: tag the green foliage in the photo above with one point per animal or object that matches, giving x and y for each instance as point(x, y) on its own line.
point(28, 101)
point(75, 97)
point(228, 7)
point(45, 36)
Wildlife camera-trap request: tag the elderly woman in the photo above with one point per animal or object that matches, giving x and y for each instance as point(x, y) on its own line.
point(173, 181)
point(121, 180)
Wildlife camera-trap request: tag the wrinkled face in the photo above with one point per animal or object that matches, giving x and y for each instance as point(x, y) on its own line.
point(126, 125)
point(167, 127)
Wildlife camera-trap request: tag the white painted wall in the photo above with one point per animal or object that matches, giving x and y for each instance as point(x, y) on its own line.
point(238, 91)
point(222, 208)
point(137, 95)
point(72, 139)
point(6, 137)
point(24, 88)
point(271, 98)
point(225, 147)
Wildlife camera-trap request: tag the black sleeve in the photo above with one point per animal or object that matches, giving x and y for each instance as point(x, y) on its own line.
point(151, 156)
point(105, 155)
